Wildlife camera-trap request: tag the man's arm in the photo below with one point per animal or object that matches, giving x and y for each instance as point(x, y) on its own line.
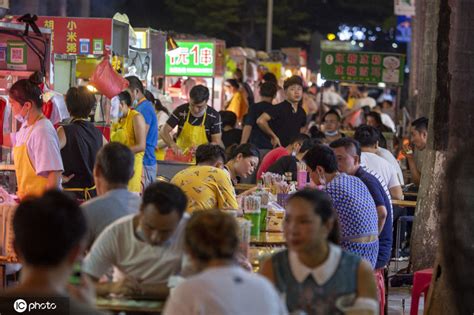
point(246, 131)
point(217, 139)
point(415, 173)
point(166, 136)
point(396, 192)
point(382, 216)
point(54, 180)
point(139, 129)
point(262, 122)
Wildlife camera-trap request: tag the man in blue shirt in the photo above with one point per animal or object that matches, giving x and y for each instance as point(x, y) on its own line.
point(352, 201)
point(348, 153)
point(147, 109)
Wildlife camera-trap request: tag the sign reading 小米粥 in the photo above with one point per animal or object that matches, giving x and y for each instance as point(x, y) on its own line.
point(362, 67)
point(194, 59)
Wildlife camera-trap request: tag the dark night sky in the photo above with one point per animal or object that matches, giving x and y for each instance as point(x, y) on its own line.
point(322, 15)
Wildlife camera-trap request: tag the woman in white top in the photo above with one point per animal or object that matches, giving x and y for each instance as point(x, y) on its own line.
point(315, 275)
point(221, 287)
point(38, 164)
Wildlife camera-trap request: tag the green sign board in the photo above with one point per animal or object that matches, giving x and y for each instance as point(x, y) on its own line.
point(194, 59)
point(362, 67)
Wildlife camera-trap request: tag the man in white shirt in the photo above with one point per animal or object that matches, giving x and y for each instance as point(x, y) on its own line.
point(388, 156)
point(330, 98)
point(144, 249)
point(368, 139)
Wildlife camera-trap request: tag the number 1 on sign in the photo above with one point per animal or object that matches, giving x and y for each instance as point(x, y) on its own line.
point(195, 53)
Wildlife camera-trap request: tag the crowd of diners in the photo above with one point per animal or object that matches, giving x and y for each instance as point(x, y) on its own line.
point(136, 237)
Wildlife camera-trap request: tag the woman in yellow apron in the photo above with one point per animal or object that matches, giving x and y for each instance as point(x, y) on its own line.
point(38, 164)
point(131, 131)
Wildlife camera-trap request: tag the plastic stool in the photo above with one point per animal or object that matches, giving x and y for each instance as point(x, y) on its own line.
point(421, 284)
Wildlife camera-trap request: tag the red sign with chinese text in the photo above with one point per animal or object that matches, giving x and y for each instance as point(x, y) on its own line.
point(72, 35)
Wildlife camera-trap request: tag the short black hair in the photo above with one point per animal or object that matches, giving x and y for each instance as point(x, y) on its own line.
point(316, 134)
point(367, 135)
point(347, 143)
point(309, 143)
point(209, 153)
point(228, 118)
point(268, 89)
point(25, 90)
point(125, 97)
point(321, 155)
point(332, 112)
point(363, 89)
point(135, 83)
point(115, 162)
point(376, 116)
point(247, 150)
point(233, 82)
point(47, 228)
point(165, 197)
point(293, 80)
point(270, 77)
point(420, 124)
point(79, 102)
point(328, 84)
point(199, 93)
point(300, 138)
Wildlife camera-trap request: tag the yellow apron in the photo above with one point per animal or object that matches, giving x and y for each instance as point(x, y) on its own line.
point(123, 132)
point(192, 136)
point(28, 183)
point(85, 191)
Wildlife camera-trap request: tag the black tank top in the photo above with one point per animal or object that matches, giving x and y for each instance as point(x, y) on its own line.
point(83, 142)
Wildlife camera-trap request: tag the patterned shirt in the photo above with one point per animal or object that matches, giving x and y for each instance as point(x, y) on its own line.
point(206, 187)
point(357, 214)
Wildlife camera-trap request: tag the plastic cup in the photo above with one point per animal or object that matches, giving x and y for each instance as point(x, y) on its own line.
point(254, 218)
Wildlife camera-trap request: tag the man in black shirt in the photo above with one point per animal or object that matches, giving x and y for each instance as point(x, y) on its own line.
point(288, 118)
point(193, 113)
point(252, 132)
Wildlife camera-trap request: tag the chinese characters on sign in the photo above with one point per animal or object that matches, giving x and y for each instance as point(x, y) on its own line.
point(193, 59)
point(71, 38)
point(362, 67)
point(78, 35)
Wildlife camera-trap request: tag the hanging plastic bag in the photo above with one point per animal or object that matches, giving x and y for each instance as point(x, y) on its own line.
point(106, 80)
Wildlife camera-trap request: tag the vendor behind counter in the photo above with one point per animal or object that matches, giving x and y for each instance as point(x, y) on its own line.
point(37, 158)
point(197, 123)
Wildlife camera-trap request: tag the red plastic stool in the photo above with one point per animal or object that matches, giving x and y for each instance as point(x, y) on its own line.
point(421, 284)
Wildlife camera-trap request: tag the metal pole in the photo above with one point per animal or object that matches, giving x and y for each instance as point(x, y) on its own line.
point(269, 25)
